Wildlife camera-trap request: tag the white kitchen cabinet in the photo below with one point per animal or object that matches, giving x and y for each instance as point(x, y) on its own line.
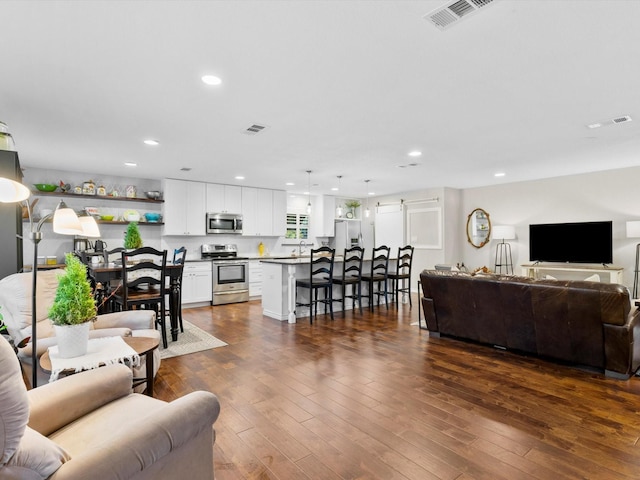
point(184, 207)
point(323, 216)
point(264, 212)
point(223, 198)
point(279, 213)
point(196, 282)
point(249, 211)
point(255, 278)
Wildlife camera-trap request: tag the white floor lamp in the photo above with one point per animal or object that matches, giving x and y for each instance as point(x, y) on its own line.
point(503, 249)
point(65, 222)
point(633, 231)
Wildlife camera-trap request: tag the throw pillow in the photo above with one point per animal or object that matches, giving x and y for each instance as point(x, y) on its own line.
point(593, 278)
point(549, 277)
point(36, 452)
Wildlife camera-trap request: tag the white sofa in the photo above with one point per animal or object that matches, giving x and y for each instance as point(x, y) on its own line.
point(15, 307)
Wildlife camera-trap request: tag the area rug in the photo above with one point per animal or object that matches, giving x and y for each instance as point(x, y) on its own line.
point(192, 340)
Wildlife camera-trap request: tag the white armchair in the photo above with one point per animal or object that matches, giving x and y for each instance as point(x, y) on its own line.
point(15, 306)
point(100, 429)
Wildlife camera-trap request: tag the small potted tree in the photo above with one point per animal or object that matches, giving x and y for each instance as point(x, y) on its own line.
point(132, 238)
point(73, 309)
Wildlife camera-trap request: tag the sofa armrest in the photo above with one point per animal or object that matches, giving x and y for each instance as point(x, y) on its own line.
point(133, 319)
point(80, 394)
point(622, 346)
point(24, 353)
point(148, 441)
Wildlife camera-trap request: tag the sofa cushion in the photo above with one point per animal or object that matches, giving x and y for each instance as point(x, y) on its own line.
point(15, 300)
point(14, 405)
point(80, 435)
point(38, 453)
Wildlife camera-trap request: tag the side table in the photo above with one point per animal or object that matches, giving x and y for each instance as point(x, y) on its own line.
point(142, 346)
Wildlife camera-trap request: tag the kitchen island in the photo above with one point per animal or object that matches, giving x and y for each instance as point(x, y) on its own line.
point(279, 287)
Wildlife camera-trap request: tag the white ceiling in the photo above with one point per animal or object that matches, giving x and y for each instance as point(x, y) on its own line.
point(345, 87)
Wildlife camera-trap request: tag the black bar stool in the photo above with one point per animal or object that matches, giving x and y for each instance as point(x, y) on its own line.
point(402, 273)
point(377, 277)
point(351, 275)
point(320, 278)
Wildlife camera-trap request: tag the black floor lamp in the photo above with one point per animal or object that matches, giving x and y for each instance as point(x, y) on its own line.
point(503, 249)
point(633, 231)
point(65, 222)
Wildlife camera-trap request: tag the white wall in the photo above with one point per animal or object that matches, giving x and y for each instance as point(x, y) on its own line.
point(448, 201)
point(54, 244)
point(609, 195)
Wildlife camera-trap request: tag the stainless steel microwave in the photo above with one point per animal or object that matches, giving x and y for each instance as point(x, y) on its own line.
point(224, 223)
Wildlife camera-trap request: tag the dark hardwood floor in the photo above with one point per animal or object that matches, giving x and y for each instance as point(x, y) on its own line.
point(374, 397)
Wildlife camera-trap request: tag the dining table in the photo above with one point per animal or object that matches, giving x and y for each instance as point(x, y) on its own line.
point(107, 272)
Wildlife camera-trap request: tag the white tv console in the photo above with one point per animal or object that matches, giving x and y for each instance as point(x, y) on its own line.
point(611, 274)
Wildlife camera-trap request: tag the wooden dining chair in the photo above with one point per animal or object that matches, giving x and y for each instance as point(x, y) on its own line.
point(376, 278)
point(351, 275)
point(320, 278)
point(402, 273)
point(143, 283)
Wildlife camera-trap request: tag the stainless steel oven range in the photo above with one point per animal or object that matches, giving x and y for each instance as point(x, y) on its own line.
point(230, 273)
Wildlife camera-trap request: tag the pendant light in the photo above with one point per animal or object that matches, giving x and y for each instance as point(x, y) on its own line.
point(309, 192)
point(339, 208)
point(366, 212)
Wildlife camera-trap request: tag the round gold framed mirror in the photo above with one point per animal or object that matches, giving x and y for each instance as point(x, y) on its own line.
point(478, 228)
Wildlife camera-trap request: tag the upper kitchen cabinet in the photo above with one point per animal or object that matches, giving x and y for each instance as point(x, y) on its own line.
point(323, 216)
point(184, 207)
point(263, 212)
point(279, 214)
point(223, 198)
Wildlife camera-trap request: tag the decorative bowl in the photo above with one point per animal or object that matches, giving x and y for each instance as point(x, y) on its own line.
point(153, 195)
point(45, 187)
point(152, 217)
point(107, 218)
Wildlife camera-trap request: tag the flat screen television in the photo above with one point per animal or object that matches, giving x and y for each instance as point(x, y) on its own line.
point(580, 242)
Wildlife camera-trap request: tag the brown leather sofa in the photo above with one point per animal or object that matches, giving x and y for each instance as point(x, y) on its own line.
point(585, 323)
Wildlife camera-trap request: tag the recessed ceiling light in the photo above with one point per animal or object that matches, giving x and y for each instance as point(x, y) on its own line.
point(130, 164)
point(499, 174)
point(151, 142)
point(290, 184)
point(305, 193)
point(415, 153)
point(371, 193)
point(211, 80)
point(334, 189)
point(594, 125)
point(239, 177)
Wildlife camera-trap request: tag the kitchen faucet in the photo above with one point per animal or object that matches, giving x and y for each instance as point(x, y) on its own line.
point(301, 246)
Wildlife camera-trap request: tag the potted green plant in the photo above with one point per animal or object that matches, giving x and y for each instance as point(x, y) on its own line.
point(352, 205)
point(73, 309)
point(132, 238)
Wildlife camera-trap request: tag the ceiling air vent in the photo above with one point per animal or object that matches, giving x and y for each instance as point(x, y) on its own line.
point(626, 118)
point(254, 129)
point(452, 12)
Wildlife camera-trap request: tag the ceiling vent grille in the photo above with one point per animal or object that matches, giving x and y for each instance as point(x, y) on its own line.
point(612, 121)
point(452, 12)
point(254, 129)
point(626, 118)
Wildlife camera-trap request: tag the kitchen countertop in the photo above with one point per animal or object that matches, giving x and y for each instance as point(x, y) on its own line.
point(295, 260)
point(255, 257)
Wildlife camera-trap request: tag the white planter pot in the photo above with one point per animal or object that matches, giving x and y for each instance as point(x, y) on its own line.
point(72, 339)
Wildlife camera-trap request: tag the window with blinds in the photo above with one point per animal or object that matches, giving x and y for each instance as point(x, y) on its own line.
point(297, 226)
